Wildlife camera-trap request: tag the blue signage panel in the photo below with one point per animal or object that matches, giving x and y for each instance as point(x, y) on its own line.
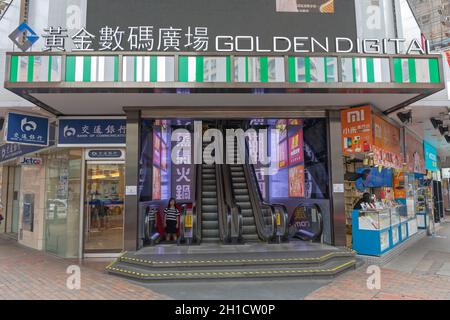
point(105, 154)
point(91, 132)
point(26, 129)
point(430, 153)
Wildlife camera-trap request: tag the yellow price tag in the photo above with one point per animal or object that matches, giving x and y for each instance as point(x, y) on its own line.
point(278, 218)
point(188, 220)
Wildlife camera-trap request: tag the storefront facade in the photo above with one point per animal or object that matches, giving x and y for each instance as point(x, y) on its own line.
point(101, 176)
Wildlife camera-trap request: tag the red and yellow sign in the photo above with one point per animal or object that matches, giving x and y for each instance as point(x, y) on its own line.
point(399, 185)
point(356, 130)
point(297, 181)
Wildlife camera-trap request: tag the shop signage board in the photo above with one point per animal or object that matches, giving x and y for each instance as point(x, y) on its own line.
point(82, 132)
point(414, 154)
point(430, 156)
point(356, 130)
point(27, 129)
point(10, 151)
point(105, 154)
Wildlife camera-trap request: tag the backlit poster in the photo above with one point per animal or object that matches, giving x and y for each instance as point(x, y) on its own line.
point(156, 194)
point(164, 163)
point(296, 148)
point(356, 130)
point(297, 181)
point(156, 150)
point(306, 6)
point(414, 154)
point(282, 154)
point(386, 143)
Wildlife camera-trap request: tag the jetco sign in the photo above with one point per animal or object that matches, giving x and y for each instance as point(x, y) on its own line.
point(29, 161)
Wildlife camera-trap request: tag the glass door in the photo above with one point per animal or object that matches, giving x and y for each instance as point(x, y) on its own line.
point(16, 199)
point(104, 207)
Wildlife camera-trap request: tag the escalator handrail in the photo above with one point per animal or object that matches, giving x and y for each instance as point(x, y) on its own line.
point(262, 203)
point(235, 210)
point(198, 203)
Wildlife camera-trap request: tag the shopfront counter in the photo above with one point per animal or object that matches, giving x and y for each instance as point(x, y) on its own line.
point(377, 231)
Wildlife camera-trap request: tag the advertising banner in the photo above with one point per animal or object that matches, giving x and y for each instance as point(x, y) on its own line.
point(430, 157)
point(305, 6)
point(414, 154)
point(356, 130)
point(282, 154)
point(399, 185)
point(182, 171)
point(27, 129)
point(212, 25)
point(156, 190)
point(296, 148)
point(387, 151)
point(297, 181)
point(156, 149)
point(91, 131)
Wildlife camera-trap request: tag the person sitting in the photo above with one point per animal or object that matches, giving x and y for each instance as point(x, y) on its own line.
point(366, 198)
point(171, 215)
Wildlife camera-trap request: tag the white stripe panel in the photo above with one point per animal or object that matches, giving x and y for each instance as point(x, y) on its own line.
point(377, 70)
point(161, 70)
point(422, 70)
point(124, 69)
point(101, 69)
point(147, 69)
point(139, 69)
point(363, 66)
point(191, 69)
point(94, 70)
point(79, 60)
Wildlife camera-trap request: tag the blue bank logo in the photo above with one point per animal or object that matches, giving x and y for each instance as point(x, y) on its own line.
point(24, 37)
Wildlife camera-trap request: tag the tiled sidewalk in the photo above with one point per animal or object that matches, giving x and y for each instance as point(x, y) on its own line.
point(30, 274)
point(395, 285)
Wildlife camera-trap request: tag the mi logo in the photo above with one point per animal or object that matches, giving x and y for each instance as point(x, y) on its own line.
point(355, 116)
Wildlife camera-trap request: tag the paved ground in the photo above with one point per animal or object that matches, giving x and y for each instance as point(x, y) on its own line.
point(420, 272)
point(30, 274)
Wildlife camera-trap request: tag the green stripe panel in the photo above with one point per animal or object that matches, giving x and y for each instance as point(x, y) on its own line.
point(354, 69)
point(307, 69)
point(228, 62)
point(325, 69)
point(433, 64)
point(153, 69)
point(398, 72)
point(116, 69)
point(49, 76)
point(87, 69)
point(264, 67)
point(292, 69)
point(412, 70)
point(370, 70)
point(14, 68)
point(70, 68)
point(183, 75)
point(30, 75)
point(199, 67)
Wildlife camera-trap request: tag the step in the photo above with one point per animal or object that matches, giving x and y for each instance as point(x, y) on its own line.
point(206, 224)
point(240, 191)
point(251, 237)
point(242, 198)
point(209, 194)
point(210, 233)
point(244, 205)
point(211, 187)
point(328, 269)
point(209, 216)
point(249, 229)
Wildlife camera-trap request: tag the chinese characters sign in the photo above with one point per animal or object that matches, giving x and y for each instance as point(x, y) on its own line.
point(386, 144)
point(26, 129)
point(356, 130)
point(296, 147)
point(182, 170)
point(84, 132)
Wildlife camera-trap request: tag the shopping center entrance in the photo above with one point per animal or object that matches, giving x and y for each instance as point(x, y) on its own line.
point(104, 207)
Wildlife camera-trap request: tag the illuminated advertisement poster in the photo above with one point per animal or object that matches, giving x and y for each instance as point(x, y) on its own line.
point(296, 148)
point(182, 170)
point(156, 194)
point(156, 150)
point(306, 6)
point(399, 185)
point(430, 157)
point(386, 144)
point(164, 156)
point(414, 154)
point(356, 130)
point(297, 181)
point(282, 154)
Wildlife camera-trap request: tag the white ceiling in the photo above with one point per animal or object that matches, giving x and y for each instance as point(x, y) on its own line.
point(113, 103)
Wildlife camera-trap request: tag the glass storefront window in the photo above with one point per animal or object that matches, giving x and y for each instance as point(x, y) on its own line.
point(313, 69)
point(148, 68)
point(62, 210)
point(259, 69)
point(365, 70)
point(35, 68)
